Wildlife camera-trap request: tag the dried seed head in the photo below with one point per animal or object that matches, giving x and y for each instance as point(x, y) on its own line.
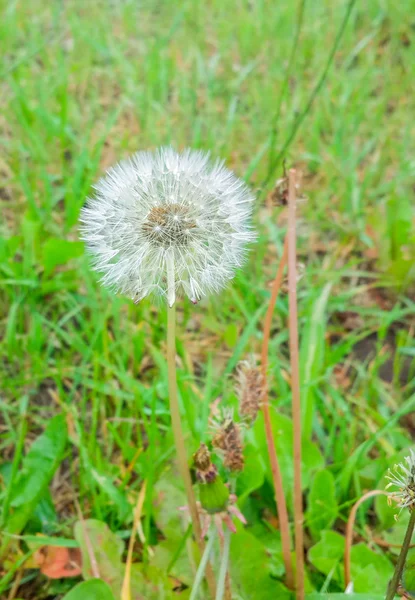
point(206, 471)
point(250, 388)
point(228, 440)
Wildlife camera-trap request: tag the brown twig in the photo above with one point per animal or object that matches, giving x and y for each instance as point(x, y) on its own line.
point(272, 452)
point(349, 531)
point(295, 384)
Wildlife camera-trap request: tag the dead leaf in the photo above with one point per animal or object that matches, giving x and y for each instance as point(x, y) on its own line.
point(56, 562)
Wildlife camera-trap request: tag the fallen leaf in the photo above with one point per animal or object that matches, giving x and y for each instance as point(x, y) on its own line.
point(56, 562)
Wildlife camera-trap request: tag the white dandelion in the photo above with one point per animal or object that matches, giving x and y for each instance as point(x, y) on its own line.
point(168, 223)
point(403, 478)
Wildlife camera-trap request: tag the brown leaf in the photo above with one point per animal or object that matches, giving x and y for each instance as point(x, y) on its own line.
point(56, 562)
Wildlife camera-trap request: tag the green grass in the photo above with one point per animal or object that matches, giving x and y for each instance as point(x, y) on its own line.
point(85, 84)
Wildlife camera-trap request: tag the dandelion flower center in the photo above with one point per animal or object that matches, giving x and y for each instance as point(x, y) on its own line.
point(169, 225)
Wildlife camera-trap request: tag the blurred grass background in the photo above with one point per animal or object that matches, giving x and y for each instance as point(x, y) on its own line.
point(85, 84)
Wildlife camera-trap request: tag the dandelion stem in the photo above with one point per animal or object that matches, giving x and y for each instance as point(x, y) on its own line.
point(179, 440)
point(272, 451)
point(224, 566)
point(393, 585)
point(203, 563)
point(295, 384)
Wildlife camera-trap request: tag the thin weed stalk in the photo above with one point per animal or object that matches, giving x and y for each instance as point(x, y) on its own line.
point(203, 563)
point(295, 383)
point(314, 93)
point(393, 586)
point(349, 532)
point(179, 440)
point(272, 451)
point(223, 570)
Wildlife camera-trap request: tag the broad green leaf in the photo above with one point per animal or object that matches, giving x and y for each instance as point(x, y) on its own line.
point(38, 468)
point(171, 553)
point(57, 251)
point(370, 571)
point(326, 556)
point(250, 570)
point(253, 475)
point(282, 429)
point(150, 583)
point(96, 536)
point(94, 589)
point(322, 503)
point(169, 496)
point(408, 575)
point(147, 582)
point(394, 535)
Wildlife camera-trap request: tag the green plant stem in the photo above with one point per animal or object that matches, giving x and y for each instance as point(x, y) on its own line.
point(203, 563)
point(179, 440)
point(224, 566)
point(393, 585)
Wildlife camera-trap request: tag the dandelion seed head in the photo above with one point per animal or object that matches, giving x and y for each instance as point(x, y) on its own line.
point(402, 477)
point(168, 223)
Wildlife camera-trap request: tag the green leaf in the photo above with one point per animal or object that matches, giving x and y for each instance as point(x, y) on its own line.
point(117, 497)
point(94, 589)
point(370, 571)
point(168, 497)
point(38, 468)
point(231, 335)
point(344, 597)
point(250, 570)
point(96, 536)
point(327, 554)
point(57, 251)
point(322, 503)
point(312, 356)
point(150, 583)
point(384, 511)
point(282, 428)
point(253, 475)
point(408, 575)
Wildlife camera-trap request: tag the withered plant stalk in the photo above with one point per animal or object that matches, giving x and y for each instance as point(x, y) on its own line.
point(179, 441)
point(349, 531)
point(295, 384)
point(272, 451)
